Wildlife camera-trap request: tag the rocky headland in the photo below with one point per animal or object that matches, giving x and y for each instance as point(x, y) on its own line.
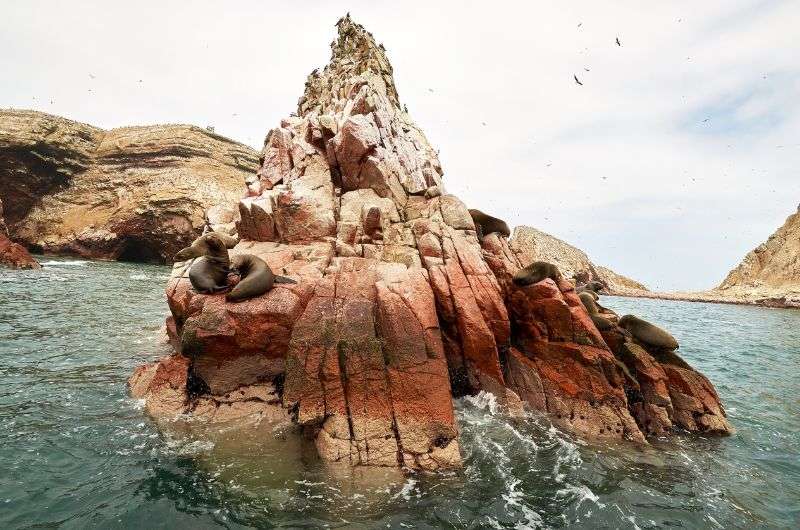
point(397, 306)
point(133, 193)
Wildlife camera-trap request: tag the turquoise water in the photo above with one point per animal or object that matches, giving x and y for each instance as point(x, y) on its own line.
point(77, 452)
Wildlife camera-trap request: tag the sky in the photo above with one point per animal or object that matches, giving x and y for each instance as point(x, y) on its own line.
point(678, 154)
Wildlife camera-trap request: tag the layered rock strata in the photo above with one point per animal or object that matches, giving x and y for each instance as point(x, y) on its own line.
point(133, 193)
point(397, 306)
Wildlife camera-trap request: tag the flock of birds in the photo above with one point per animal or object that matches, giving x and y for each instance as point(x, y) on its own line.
point(575, 76)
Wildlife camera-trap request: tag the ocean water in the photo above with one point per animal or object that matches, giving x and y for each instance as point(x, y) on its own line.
point(77, 452)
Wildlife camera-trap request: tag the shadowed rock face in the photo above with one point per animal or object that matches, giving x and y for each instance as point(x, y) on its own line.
point(12, 254)
point(133, 194)
point(397, 307)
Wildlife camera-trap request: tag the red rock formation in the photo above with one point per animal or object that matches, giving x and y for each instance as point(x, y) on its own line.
point(12, 254)
point(397, 307)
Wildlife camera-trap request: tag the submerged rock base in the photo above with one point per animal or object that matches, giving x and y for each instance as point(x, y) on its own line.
point(397, 307)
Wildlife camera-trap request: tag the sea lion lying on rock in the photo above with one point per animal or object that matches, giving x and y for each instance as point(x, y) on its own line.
point(592, 287)
point(536, 272)
point(600, 322)
point(648, 333)
point(256, 278)
point(486, 224)
point(209, 273)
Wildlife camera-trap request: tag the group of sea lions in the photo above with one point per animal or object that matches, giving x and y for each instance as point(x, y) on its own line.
point(209, 271)
point(603, 318)
point(639, 329)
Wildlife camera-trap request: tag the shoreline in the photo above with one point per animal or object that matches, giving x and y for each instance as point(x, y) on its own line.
point(766, 302)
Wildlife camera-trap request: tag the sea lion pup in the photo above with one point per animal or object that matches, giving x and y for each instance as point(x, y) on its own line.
point(536, 272)
point(256, 278)
point(486, 224)
point(648, 333)
point(209, 274)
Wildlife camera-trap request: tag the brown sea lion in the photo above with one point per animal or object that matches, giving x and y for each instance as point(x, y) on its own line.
point(581, 290)
point(536, 272)
point(209, 273)
point(486, 224)
point(593, 309)
point(229, 241)
point(648, 333)
point(589, 302)
point(256, 278)
point(593, 286)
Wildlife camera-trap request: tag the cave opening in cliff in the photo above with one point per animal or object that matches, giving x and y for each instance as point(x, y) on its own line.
point(137, 250)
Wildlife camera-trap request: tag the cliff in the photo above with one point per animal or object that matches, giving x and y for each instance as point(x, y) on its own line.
point(770, 272)
point(768, 276)
point(397, 307)
point(573, 262)
point(133, 193)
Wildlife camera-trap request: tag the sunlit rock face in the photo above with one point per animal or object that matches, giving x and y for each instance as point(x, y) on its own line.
point(397, 306)
point(770, 273)
point(132, 193)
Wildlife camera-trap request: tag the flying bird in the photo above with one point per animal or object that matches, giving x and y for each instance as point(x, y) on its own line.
point(618, 43)
point(581, 24)
point(90, 75)
point(586, 70)
point(705, 120)
point(577, 80)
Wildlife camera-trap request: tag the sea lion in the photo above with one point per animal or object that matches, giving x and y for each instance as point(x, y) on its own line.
point(229, 240)
point(593, 286)
point(648, 333)
point(486, 224)
point(591, 293)
point(536, 272)
point(209, 273)
point(600, 322)
point(670, 357)
point(589, 303)
point(256, 278)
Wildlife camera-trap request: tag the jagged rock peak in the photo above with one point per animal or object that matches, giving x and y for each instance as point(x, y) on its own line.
point(356, 59)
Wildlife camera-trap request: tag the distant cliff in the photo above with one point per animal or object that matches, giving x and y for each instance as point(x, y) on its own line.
point(132, 193)
point(530, 244)
point(771, 272)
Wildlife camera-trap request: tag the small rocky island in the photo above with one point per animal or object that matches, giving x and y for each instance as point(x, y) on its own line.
point(398, 305)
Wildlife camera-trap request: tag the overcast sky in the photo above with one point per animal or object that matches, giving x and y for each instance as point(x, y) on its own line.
point(678, 154)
